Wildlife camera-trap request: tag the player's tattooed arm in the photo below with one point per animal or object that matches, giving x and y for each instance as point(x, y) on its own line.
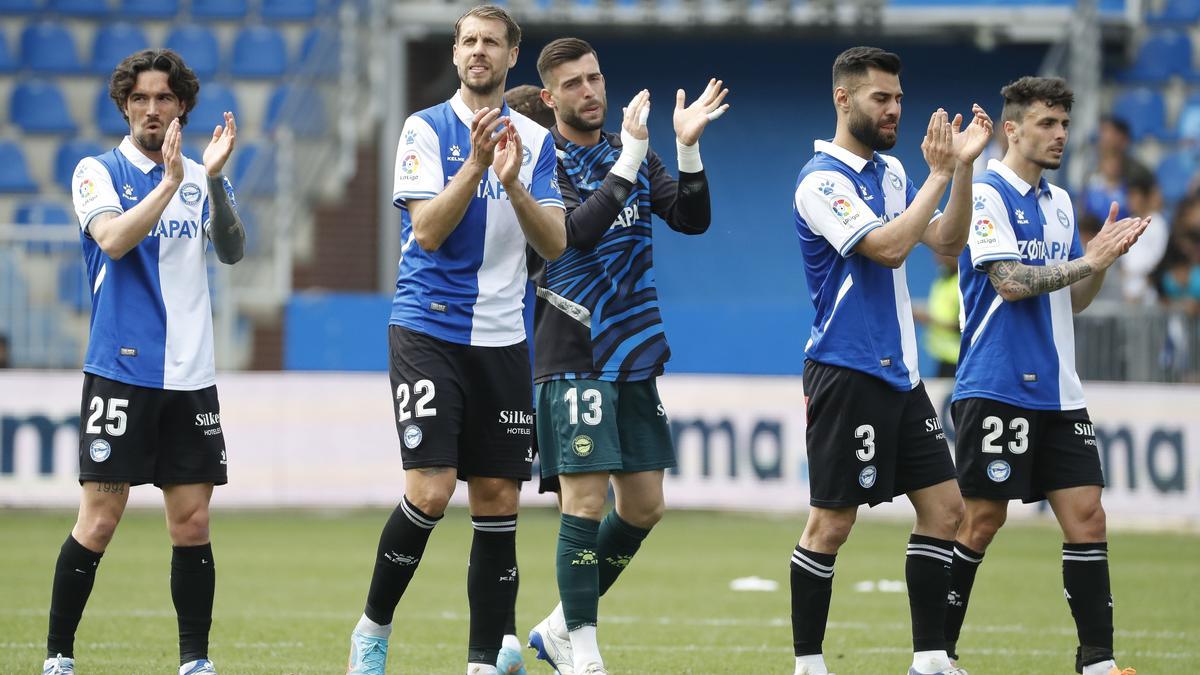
point(1016, 281)
point(226, 230)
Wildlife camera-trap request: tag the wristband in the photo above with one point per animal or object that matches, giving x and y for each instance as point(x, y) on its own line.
point(633, 153)
point(689, 157)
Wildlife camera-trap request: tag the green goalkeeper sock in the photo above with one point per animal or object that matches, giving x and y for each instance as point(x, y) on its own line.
point(578, 582)
point(616, 544)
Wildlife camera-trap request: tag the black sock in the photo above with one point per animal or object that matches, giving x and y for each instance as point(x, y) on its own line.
point(401, 545)
point(927, 572)
point(812, 586)
point(193, 584)
point(1085, 580)
point(491, 584)
point(74, 574)
point(962, 578)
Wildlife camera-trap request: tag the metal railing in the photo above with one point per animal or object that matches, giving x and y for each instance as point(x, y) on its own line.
point(1121, 342)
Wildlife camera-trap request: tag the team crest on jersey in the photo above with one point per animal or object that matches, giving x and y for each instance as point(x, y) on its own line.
point(190, 194)
point(979, 204)
point(1063, 219)
point(409, 164)
point(894, 180)
point(87, 188)
point(526, 155)
point(866, 477)
point(127, 192)
point(582, 445)
point(984, 227)
point(410, 137)
point(999, 471)
point(412, 436)
point(825, 188)
point(100, 450)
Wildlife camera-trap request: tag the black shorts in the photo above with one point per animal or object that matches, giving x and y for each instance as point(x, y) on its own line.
point(868, 442)
point(131, 434)
point(1007, 452)
point(461, 406)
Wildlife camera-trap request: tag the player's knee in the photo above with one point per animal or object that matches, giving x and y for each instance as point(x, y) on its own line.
point(430, 500)
point(980, 526)
point(190, 529)
point(645, 516)
point(826, 531)
point(96, 531)
point(1090, 523)
point(585, 505)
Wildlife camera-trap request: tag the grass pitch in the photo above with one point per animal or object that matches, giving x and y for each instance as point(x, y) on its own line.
point(290, 586)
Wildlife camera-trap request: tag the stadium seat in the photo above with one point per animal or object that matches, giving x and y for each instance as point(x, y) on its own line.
point(43, 212)
point(73, 291)
point(198, 47)
point(1143, 109)
point(14, 175)
point(301, 108)
point(254, 170)
point(7, 62)
point(288, 10)
point(108, 118)
point(258, 52)
point(88, 8)
point(113, 43)
point(68, 156)
point(149, 9)
point(214, 99)
point(1178, 12)
point(1175, 174)
point(39, 107)
point(218, 9)
point(1161, 55)
point(320, 53)
point(48, 47)
point(1188, 126)
point(20, 6)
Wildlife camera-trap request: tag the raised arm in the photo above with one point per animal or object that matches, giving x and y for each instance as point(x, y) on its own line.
point(225, 229)
point(541, 221)
point(947, 235)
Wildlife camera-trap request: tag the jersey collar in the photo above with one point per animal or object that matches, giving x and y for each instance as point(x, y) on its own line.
point(135, 156)
point(1016, 181)
point(465, 114)
point(845, 156)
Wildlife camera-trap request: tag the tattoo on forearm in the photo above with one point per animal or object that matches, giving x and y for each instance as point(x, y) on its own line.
point(113, 488)
point(1011, 278)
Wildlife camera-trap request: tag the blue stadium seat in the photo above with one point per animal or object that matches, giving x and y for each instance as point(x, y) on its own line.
point(89, 8)
point(1143, 109)
point(14, 175)
point(39, 107)
point(1175, 173)
point(1161, 55)
point(106, 115)
point(44, 212)
point(320, 53)
point(1188, 125)
point(198, 47)
point(301, 107)
point(20, 6)
point(68, 156)
point(48, 47)
point(7, 62)
point(73, 291)
point(258, 52)
point(218, 9)
point(288, 10)
point(254, 170)
point(113, 43)
point(1178, 12)
point(149, 9)
point(214, 99)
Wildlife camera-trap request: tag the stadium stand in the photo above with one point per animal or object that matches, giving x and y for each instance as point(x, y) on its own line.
point(148, 9)
point(20, 6)
point(114, 42)
point(214, 100)
point(1144, 110)
point(1160, 56)
point(38, 107)
point(44, 212)
point(288, 10)
point(7, 63)
point(320, 53)
point(14, 173)
point(107, 118)
point(47, 47)
point(198, 46)
point(259, 52)
point(80, 8)
point(301, 108)
point(219, 9)
point(67, 157)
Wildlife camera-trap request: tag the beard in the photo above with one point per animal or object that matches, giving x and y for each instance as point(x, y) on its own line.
point(867, 132)
point(151, 142)
point(1048, 164)
point(484, 88)
point(573, 119)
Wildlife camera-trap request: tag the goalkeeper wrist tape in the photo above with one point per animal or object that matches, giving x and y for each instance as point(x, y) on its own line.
point(633, 153)
point(689, 157)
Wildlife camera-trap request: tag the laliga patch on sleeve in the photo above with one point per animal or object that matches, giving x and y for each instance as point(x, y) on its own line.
point(843, 208)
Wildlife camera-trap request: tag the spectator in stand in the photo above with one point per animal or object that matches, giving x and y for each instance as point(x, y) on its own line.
point(4, 358)
point(1113, 165)
point(1136, 267)
point(1178, 274)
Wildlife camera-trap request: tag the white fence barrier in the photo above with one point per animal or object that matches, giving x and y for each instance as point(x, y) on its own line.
point(305, 439)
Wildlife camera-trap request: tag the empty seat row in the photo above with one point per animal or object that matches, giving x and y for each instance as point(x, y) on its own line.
point(216, 10)
point(1162, 55)
point(39, 107)
point(1146, 113)
point(47, 47)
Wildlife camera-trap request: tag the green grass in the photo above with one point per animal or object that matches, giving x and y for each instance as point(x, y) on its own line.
point(291, 585)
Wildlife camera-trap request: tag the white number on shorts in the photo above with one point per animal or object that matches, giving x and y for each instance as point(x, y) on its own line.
point(424, 389)
point(116, 416)
point(865, 433)
point(592, 398)
point(995, 428)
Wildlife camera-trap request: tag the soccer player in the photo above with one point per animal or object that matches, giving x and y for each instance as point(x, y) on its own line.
point(150, 414)
point(1018, 408)
point(474, 181)
point(599, 339)
point(872, 432)
point(527, 100)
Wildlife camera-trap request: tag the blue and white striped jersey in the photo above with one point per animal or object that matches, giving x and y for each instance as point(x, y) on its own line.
point(471, 290)
point(864, 315)
point(151, 322)
point(1023, 352)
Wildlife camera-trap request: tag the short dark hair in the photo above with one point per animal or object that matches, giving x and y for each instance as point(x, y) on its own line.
point(182, 81)
point(512, 32)
point(1117, 123)
point(527, 100)
point(558, 52)
point(1022, 93)
point(1139, 179)
point(856, 61)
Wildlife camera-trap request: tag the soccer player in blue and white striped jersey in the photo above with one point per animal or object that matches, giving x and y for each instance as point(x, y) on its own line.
point(150, 414)
point(872, 433)
point(476, 183)
point(599, 338)
point(1023, 430)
